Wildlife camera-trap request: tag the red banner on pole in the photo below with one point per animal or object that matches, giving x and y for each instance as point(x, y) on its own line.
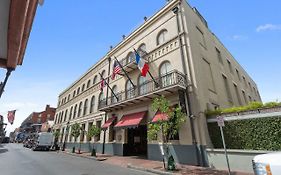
point(11, 116)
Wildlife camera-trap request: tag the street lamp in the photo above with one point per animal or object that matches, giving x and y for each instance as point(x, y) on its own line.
point(66, 135)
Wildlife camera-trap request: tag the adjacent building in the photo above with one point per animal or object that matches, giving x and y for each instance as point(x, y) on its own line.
point(189, 66)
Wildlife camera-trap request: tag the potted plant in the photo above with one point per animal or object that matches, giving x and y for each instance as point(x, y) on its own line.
point(75, 132)
point(94, 131)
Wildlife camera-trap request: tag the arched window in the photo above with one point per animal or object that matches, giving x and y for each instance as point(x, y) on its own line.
point(88, 83)
point(165, 74)
point(92, 104)
point(78, 91)
point(74, 92)
point(101, 98)
point(130, 57)
point(129, 90)
point(80, 109)
point(68, 98)
point(85, 107)
point(75, 111)
point(161, 37)
point(142, 85)
point(65, 115)
point(142, 50)
point(56, 118)
point(83, 87)
point(95, 80)
point(61, 117)
point(70, 112)
point(113, 98)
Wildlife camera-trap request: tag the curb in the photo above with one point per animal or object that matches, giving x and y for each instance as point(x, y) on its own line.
point(79, 155)
point(150, 170)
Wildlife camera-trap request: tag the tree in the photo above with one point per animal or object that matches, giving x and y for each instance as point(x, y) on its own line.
point(75, 130)
point(168, 128)
point(93, 132)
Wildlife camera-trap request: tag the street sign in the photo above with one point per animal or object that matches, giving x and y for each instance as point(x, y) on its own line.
point(220, 121)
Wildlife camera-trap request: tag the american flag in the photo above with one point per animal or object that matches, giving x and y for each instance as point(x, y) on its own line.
point(116, 70)
point(11, 116)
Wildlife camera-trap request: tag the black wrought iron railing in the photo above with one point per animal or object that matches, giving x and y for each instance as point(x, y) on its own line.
point(170, 79)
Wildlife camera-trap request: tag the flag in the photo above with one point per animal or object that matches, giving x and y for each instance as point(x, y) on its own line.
point(102, 84)
point(142, 64)
point(116, 69)
point(11, 116)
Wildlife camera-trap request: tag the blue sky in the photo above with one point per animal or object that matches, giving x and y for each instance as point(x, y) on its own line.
point(69, 36)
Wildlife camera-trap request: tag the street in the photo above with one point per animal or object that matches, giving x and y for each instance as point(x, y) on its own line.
point(15, 160)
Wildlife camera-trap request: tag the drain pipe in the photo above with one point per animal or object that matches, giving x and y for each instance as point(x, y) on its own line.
point(194, 141)
point(3, 84)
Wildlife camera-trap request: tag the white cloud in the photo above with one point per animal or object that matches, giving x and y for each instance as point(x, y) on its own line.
point(268, 27)
point(239, 37)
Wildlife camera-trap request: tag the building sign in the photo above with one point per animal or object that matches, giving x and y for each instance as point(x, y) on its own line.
point(220, 120)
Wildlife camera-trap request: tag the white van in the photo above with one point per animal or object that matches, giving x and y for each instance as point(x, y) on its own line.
point(267, 164)
point(44, 141)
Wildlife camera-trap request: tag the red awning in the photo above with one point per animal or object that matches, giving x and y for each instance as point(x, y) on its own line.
point(159, 116)
point(108, 123)
point(130, 120)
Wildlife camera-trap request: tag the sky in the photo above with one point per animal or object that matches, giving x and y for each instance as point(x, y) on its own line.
point(69, 36)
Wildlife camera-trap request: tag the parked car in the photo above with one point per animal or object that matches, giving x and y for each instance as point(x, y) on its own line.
point(6, 140)
point(43, 141)
point(267, 164)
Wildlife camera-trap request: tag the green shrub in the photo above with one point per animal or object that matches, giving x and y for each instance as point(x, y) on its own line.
point(253, 134)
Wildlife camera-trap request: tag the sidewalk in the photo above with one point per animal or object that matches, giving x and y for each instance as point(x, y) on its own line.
point(135, 162)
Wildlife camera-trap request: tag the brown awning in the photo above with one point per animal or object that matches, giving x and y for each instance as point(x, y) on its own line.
point(130, 120)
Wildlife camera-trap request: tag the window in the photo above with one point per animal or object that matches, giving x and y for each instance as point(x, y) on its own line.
point(82, 133)
point(130, 57)
point(219, 56)
point(237, 94)
point(250, 87)
point(102, 74)
point(130, 92)
point(94, 80)
point(227, 89)
point(161, 38)
point(142, 50)
point(229, 66)
point(101, 97)
point(208, 75)
point(92, 104)
point(89, 127)
point(78, 91)
point(201, 38)
point(88, 83)
point(80, 109)
point(244, 96)
point(112, 131)
point(74, 112)
point(83, 87)
point(245, 83)
point(56, 118)
point(98, 124)
point(238, 75)
point(61, 117)
point(74, 92)
point(85, 107)
point(255, 91)
point(143, 88)
point(65, 115)
point(70, 112)
point(250, 98)
point(113, 98)
point(68, 98)
point(166, 78)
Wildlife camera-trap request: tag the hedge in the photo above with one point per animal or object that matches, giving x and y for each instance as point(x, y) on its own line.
point(251, 134)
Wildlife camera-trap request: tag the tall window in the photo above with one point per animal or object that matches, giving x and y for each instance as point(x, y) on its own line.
point(130, 57)
point(162, 36)
point(201, 38)
point(142, 50)
point(219, 55)
point(78, 91)
point(95, 80)
point(65, 115)
point(143, 85)
point(166, 78)
point(80, 109)
point(245, 98)
point(68, 98)
point(229, 66)
point(88, 83)
point(113, 98)
point(70, 112)
point(83, 87)
point(85, 107)
point(238, 74)
point(227, 89)
point(101, 97)
point(75, 111)
point(129, 90)
point(92, 104)
point(237, 94)
point(74, 92)
point(98, 124)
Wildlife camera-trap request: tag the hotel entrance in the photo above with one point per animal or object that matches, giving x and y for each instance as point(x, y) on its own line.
point(137, 141)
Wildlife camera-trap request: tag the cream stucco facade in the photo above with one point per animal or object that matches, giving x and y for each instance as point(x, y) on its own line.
point(190, 65)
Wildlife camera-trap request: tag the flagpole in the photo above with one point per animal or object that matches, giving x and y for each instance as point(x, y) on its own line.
point(109, 87)
point(125, 72)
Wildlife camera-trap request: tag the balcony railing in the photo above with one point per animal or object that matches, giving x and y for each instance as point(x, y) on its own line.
point(165, 82)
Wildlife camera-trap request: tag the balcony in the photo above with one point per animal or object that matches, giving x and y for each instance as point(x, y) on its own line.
point(167, 84)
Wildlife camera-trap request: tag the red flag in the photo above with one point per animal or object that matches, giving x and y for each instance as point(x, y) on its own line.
point(116, 69)
point(11, 116)
point(102, 84)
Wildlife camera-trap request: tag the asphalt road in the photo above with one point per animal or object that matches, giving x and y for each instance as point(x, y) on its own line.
point(17, 160)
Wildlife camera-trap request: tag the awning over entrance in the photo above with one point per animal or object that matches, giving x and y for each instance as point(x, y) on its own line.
point(159, 116)
point(108, 123)
point(130, 120)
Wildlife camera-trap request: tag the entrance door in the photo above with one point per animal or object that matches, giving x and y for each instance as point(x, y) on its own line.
point(137, 141)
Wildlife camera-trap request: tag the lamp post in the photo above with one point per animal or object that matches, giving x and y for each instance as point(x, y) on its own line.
point(66, 135)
